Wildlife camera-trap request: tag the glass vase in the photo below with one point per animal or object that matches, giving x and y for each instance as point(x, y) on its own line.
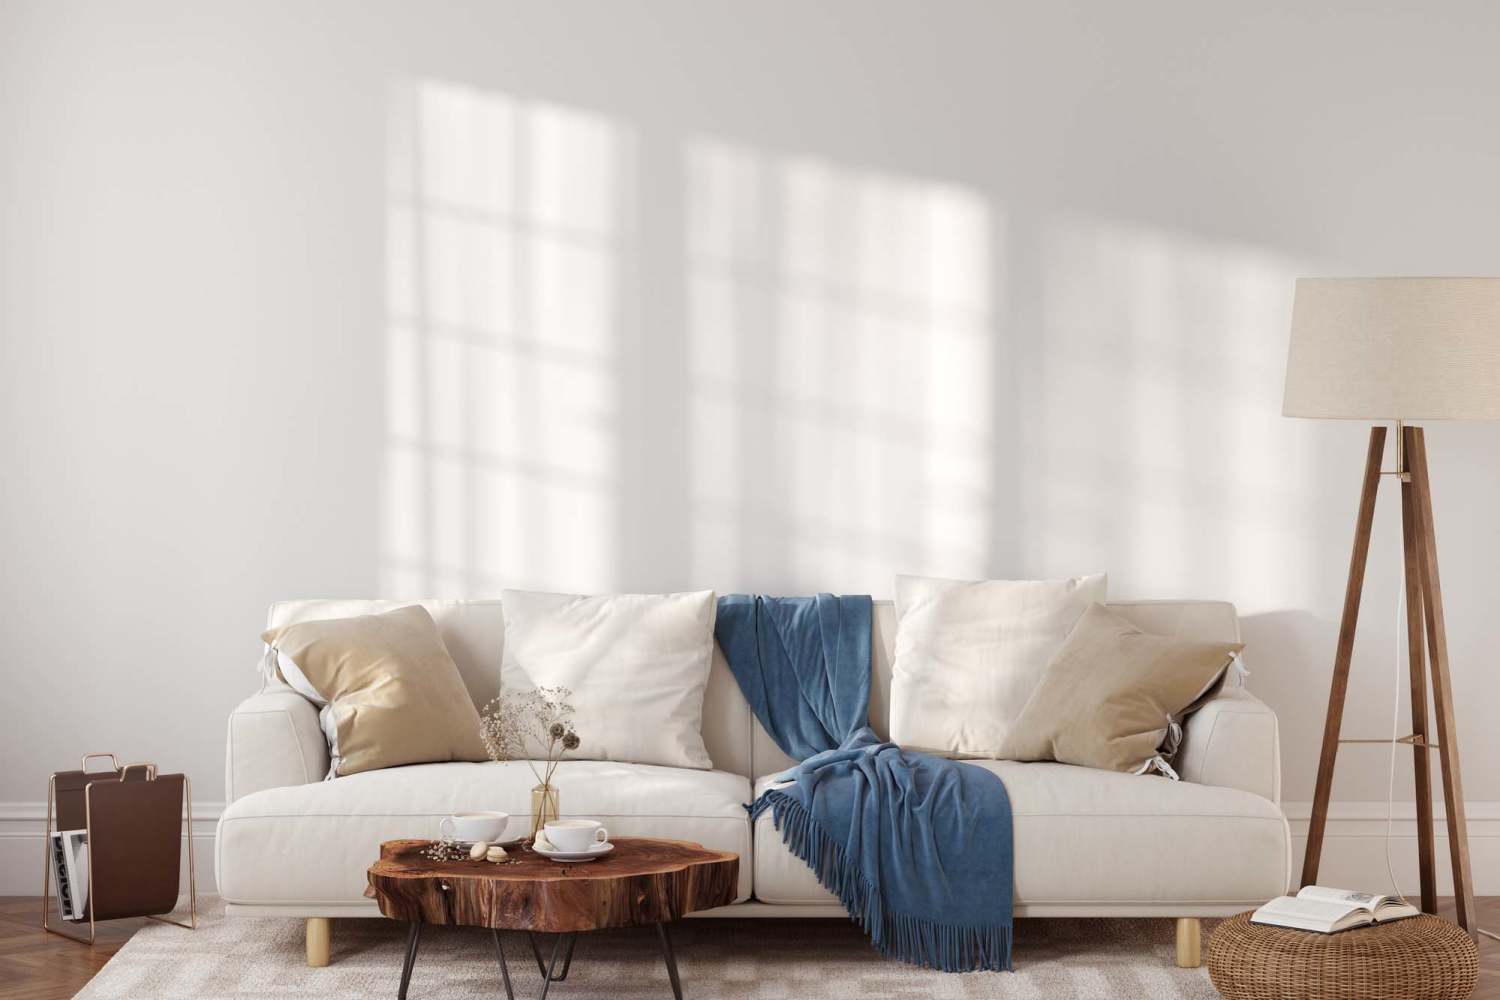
point(544, 807)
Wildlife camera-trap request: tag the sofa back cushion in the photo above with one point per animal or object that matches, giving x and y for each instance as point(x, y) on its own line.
point(474, 632)
point(1207, 620)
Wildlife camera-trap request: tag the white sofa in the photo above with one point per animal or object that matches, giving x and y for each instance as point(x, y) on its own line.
point(1087, 843)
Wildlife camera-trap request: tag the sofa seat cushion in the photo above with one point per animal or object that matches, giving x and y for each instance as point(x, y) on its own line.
point(1102, 839)
point(312, 843)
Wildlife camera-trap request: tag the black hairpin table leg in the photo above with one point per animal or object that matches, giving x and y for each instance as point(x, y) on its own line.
point(413, 937)
point(562, 949)
point(541, 966)
point(549, 974)
point(504, 969)
point(666, 953)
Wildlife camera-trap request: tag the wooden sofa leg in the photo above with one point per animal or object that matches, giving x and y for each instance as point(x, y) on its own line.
point(1189, 943)
point(318, 933)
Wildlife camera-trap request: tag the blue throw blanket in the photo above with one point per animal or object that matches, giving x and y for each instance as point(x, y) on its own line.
point(916, 847)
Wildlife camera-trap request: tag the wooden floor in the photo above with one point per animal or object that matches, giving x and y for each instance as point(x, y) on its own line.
point(35, 965)
point(1488, 908)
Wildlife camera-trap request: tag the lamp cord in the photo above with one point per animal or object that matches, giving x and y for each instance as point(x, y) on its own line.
point(1390, 786)
point(1395, 732)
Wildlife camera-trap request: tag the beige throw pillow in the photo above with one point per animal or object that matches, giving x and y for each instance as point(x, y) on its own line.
point(388, 691)
point(1109, 694)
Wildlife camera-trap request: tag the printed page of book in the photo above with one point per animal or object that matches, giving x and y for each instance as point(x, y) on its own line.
point(1345, 897)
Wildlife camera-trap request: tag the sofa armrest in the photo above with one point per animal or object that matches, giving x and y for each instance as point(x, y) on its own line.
point(1233, 741)
point(274, 740)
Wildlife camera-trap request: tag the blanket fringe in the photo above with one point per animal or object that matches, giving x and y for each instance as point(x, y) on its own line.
point(933, 945)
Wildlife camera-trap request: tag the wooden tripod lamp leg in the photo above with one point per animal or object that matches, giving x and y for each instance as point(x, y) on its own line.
point(1442, 687)
point(1340, 685)
point(1417, 662)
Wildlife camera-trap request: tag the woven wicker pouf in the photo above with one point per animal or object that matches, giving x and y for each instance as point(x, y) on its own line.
point(1420, 958)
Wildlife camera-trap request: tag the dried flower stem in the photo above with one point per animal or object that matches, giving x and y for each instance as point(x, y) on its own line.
point(511, 724)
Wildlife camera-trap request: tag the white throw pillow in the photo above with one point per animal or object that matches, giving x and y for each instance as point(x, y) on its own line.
point(637, 666)
point(969, 654)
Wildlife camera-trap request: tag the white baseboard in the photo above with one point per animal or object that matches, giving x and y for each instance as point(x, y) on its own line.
point(22, 825)
point(1353, 847)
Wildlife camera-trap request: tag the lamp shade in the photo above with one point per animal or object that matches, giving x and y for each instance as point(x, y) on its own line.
point(1395, 349)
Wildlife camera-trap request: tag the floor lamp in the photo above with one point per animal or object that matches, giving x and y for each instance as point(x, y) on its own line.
point(1399, 349)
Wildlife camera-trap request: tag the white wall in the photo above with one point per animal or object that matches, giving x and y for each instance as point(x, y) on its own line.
point(360, 299)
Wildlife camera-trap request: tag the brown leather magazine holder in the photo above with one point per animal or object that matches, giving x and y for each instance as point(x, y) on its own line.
point(133, 818)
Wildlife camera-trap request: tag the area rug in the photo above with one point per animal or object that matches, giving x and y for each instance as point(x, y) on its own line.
point(763, 959)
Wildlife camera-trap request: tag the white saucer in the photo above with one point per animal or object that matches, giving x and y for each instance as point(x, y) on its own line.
point(598, 850)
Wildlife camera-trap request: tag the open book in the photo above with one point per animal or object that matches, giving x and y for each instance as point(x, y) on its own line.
point(1319, 908)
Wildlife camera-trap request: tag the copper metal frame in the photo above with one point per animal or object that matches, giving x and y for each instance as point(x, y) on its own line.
point(187, 794)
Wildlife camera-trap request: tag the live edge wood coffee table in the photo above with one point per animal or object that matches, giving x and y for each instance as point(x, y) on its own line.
point(642, 881)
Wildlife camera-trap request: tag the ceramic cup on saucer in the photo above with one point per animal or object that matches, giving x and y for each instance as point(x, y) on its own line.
point(575, 836)
point(471, 827)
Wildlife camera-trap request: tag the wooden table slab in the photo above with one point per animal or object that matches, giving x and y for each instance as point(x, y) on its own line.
point(642, 881)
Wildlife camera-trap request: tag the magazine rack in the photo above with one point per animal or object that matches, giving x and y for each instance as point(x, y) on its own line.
point(133, 818)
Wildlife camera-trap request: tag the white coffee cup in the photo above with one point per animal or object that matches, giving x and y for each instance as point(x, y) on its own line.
point(474, 826)
point(574, 836)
